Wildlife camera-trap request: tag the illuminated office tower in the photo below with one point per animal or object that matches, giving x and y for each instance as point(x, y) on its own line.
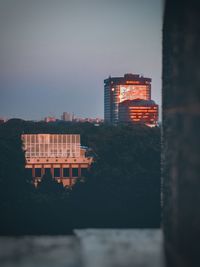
point(139, 111)
point(59, 154)
point(119, 89)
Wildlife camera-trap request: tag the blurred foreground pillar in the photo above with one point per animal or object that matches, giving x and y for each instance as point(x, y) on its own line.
point(181, 132)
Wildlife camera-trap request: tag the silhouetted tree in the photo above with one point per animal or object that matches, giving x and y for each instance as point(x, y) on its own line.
point(122, 189)
point(49, 185)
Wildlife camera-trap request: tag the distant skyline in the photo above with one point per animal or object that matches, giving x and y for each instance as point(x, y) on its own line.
point(54, 55)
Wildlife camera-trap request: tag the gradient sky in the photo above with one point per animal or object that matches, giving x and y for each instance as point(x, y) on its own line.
point(54, 55)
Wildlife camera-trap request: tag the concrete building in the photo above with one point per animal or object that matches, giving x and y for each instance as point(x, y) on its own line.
point(139, 111)
point(61, 154)
point(119, 89)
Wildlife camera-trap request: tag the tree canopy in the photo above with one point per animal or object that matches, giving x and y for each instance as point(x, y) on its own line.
point(122, 189)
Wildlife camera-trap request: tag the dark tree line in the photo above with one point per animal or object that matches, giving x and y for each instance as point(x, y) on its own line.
point(122, 188)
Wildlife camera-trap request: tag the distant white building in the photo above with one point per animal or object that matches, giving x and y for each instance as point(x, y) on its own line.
point(66, 116)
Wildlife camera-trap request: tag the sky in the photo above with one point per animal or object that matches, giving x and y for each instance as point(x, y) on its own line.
point(55, 54)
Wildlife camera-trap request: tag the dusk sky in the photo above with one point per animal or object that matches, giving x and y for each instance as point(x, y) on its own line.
point(54, 55)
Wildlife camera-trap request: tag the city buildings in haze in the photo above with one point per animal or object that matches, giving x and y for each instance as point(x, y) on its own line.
point(49, 119)
point(90, 120)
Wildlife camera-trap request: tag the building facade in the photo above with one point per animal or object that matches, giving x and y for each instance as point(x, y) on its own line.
point(119, 89)
point(139, 111)
point(60, 154)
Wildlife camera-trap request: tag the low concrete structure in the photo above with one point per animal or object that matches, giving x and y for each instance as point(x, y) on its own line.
point(59, 154)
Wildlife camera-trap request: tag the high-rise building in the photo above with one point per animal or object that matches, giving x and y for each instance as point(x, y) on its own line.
point(119, 89)
point(139, 111)
point(66, 116)
point(60, 154)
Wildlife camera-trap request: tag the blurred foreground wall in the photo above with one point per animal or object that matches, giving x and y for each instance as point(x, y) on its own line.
point(181, 132)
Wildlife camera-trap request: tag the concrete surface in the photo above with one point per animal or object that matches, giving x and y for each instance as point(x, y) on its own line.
point(88, 248)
